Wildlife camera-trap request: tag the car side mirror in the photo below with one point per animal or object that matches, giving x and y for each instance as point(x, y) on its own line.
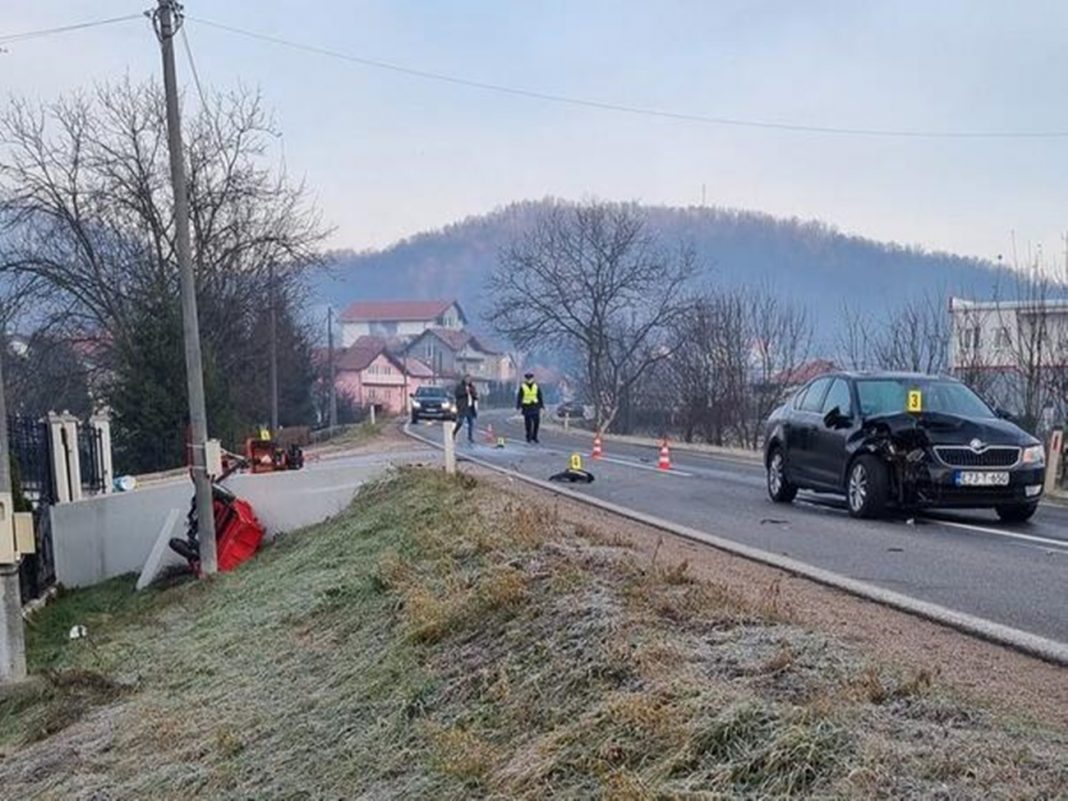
point(835, 419)
point(1005, 414)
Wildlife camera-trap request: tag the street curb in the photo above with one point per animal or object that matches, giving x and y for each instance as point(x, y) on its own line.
point(1025, 642)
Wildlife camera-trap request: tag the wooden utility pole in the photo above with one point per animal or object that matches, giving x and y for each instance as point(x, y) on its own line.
point(166, 20)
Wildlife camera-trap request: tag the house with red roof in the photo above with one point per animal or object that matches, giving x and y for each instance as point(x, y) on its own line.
point(452, 353)
point(369, 374)
point(398, 318)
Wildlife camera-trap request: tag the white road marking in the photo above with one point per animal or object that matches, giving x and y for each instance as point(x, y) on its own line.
point(611, 459)
point(671, 472)
point(1000, 533)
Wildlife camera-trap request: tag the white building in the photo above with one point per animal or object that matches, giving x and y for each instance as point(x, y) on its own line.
point(999, 335)
point(402, 319)
point(1015, 354)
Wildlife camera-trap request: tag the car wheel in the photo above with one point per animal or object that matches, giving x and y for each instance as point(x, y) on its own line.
point(867, 487)
point(1017, 512)
point(780, 489)
point(415, 418)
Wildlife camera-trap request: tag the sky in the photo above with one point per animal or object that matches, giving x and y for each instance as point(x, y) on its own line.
point(388, 155)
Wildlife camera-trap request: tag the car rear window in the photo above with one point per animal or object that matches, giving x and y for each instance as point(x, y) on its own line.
point(813, 398)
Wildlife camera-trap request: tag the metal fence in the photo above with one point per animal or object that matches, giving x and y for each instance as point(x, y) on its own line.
point(31, 454)
point(91, 459)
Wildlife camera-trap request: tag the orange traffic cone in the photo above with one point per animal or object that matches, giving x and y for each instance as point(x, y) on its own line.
point(596, 446)
point(665, 456)
point(490, 436)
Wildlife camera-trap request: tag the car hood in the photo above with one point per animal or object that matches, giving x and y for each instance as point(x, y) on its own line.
point(948, 429)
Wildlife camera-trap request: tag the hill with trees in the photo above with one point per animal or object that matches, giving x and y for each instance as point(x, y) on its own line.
point(811, 263)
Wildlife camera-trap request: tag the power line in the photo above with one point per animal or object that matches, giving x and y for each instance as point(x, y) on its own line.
point(193, 69)
point(39, 34)
point(627, 109)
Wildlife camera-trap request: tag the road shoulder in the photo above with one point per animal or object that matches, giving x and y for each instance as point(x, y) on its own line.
point(992, 675)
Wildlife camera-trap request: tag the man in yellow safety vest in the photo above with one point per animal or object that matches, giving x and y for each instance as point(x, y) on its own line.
point(529, 401)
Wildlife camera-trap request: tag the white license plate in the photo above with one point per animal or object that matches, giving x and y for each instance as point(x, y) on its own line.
point(978, 478)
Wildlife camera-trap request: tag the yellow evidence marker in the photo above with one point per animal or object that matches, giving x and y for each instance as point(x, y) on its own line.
point(576, 462)
point(915, 402)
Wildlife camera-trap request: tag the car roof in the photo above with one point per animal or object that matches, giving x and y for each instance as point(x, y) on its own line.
point(889, 374)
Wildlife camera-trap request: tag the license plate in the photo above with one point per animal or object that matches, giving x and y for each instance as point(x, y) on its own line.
point(978, 478)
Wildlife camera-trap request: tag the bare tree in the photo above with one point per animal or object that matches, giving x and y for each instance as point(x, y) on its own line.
point(781, 336)
point(1025, 334)
point(708, 373)
point(915, 338)
point(590, 277)
point(86, 213)
point(854, 346)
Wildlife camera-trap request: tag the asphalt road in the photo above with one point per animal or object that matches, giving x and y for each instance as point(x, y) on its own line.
point(967, 561)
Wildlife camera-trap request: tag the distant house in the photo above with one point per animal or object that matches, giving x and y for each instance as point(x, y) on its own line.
point(802, 374)
point(368, 374)
point(398, 318)
point(454, 353)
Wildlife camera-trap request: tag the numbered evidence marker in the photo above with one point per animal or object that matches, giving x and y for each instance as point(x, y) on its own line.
point(576, 462)
point(915, 402)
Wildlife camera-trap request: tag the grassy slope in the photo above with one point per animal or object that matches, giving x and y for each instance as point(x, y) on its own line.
point(436, 642)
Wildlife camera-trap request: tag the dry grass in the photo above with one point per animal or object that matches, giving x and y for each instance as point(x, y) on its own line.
point(440, 641)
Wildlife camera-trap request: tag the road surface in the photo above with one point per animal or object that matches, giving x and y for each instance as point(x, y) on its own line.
point(966, 561)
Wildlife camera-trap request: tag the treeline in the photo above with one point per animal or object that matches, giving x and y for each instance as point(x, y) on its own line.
point(88, 261)
point(810, 263)
point(658, 349)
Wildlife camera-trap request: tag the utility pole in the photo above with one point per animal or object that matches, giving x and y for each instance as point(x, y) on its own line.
point(12, 636)
point(166, 25)
point(332, 367)
point(274, 352)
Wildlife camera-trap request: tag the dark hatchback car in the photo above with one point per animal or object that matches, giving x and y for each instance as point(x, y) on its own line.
point(432, 403)
point(914, 441)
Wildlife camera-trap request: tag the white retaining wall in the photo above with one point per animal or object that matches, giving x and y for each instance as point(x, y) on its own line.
point(109, 535)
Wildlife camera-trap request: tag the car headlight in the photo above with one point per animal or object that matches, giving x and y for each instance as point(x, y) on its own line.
point(416, 404)
point(1035, 456)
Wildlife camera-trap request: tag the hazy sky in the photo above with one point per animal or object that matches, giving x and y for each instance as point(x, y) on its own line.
point(390, 155)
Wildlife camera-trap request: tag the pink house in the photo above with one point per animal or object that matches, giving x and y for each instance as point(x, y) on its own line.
point(369, 374)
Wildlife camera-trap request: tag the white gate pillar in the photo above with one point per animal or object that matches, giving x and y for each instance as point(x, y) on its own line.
point(66, 468)
point(101, 423)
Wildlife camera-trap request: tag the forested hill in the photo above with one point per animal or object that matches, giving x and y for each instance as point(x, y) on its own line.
point(808, 262)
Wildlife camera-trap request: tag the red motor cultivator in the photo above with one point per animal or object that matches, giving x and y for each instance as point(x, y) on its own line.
point(238, 533)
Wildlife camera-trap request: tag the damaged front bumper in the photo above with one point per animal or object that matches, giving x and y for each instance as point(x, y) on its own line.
point(933, 484)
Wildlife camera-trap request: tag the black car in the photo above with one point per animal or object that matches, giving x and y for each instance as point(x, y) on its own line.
point(915, 441)
point(572, 409)
point(432, 403)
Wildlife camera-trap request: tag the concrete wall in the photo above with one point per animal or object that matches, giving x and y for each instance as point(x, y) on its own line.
point(109, 535)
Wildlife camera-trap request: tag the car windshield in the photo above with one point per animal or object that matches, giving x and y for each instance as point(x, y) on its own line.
point(430, 392)
point(890, 396)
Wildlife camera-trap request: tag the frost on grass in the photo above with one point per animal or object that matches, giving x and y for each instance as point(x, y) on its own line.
point(440, 641)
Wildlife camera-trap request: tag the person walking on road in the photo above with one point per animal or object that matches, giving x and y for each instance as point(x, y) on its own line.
point(466, 408)
point(529, 401)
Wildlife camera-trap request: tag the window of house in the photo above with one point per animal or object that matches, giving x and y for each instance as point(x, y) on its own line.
point(1002, 339)
point(972, 338)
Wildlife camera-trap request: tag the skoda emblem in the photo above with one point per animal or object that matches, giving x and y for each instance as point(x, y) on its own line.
point(976, 445)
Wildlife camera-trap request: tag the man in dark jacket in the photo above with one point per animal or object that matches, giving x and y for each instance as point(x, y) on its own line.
point(466, 408)
point(529, 401)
